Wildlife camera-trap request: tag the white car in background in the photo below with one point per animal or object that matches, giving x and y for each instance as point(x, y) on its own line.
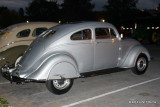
point(15, 39)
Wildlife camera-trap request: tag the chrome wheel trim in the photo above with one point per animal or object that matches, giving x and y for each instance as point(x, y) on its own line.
point(61, 84)
point(141, 64)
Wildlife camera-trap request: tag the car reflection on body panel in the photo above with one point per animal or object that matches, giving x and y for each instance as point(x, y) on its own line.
point(67, 51)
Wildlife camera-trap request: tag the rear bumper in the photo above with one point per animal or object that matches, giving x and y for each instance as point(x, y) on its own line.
point(12, 75)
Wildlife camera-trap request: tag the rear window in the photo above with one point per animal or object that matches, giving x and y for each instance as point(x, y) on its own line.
point(48, 34)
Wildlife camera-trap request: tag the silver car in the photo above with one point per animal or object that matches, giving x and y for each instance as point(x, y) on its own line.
point(67, 51)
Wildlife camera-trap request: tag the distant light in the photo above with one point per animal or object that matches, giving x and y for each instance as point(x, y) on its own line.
point(148, 27)
point(122, 27)
point(127, 28)
point(142, 10)
point(27, 21)
point(135, 26)
point(152, 27)
point(59, 21)
point(102, 20)
point(131, 28)
point(157, 27)
point(113, 40)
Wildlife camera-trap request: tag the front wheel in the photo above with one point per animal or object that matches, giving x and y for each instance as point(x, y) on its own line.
point(141, 65)
point(59, 86)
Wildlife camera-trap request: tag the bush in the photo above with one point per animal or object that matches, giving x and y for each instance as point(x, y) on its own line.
point(4, 103)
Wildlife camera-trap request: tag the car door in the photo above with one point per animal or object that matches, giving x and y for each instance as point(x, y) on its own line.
point(81, 48)
point(106, 48)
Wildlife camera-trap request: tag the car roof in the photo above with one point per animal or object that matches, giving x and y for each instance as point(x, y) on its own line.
point(32, 24)
point(78, 25)
point(64, 29)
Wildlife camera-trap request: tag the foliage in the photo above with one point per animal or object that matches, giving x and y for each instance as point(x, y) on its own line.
point(118, 12)
point(77, 10)
point(42, 10)
point(8, 17)
point(158, 6)
point(121, 12)
point(4, 102)
point(21, 12)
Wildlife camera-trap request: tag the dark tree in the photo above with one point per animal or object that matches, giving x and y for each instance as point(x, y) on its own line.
point(121, 12)
point(158, 7)
point(9, 17)
point(43, 10)
point(77, 10)
point(21, 12)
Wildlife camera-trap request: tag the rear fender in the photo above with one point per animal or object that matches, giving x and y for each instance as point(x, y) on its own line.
point(56, 67)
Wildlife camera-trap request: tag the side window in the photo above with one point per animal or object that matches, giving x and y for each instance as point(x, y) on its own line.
point(82, 35)
point(102, 33)
point(23, 33)
point(38, 31)
point(112, 33)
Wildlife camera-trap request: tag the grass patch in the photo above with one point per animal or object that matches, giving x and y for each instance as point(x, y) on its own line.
point(4, 102)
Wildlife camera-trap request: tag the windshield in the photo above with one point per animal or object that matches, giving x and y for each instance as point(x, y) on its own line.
point(3, 31)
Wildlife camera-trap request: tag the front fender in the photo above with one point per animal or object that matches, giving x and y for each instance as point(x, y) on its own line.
point(131, 58)
point(56, 67)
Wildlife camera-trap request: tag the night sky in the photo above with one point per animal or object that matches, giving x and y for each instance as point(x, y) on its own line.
point(16, 4)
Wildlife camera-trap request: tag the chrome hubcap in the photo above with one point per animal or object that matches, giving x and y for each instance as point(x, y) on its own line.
point(141, 64)
point(61, 83)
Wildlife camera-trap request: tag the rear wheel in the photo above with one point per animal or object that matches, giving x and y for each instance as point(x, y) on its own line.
point(141, 65)
point(59, 86)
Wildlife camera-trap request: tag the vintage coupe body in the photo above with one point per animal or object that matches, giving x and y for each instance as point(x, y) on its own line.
point(67, 51)
point(15, 39)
